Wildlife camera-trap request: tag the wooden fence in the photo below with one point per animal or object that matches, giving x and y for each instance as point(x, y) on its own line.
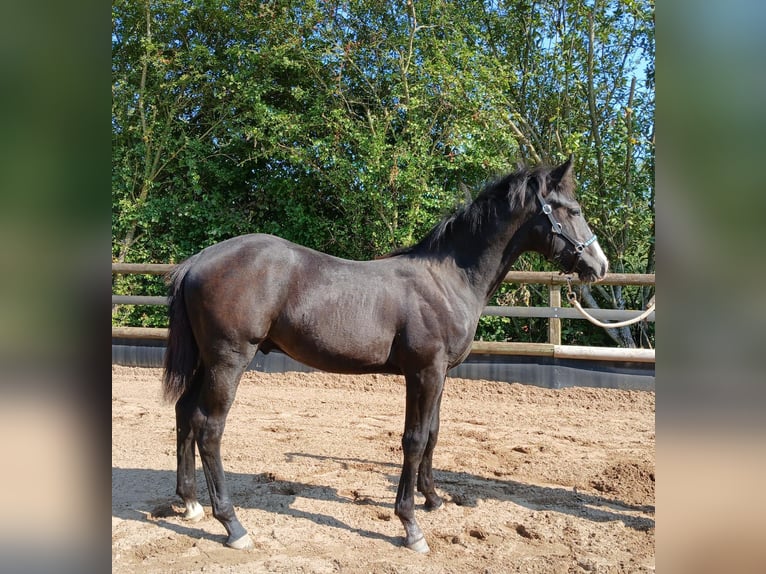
point(554, 313)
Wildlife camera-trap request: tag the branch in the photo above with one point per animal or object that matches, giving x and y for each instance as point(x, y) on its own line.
point(532, 135)
point(523, 139)
point(144, 70)
point(413, 29)
point(621, 67)
point(592, 97)
point(628, 158)
point(181, 147)
point(130, 237)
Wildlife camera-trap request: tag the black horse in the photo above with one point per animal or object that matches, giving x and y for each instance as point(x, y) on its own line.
point(413, 312)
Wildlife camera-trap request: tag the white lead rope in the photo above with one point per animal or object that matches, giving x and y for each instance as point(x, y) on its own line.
point(575, 303)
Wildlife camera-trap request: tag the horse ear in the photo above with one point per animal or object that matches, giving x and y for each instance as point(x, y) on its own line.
point(561, 174)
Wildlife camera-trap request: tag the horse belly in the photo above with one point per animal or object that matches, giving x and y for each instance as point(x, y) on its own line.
point(336, 337)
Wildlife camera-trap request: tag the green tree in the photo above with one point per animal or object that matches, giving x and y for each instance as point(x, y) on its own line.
point(353, 126)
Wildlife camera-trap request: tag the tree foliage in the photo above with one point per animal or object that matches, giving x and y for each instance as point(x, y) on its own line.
point(353, 126)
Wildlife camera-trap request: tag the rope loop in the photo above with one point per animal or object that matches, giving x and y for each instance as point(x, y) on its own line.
point(572, 297)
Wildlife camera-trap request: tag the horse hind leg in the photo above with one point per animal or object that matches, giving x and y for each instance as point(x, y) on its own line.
point(186, 479)
point(215, 399)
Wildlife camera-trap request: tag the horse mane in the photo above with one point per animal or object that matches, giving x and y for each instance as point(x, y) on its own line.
point(511, 189)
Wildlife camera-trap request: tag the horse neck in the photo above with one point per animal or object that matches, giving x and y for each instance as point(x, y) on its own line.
point(487, 255)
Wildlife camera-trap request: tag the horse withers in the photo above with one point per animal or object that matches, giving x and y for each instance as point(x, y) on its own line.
point(413, 312)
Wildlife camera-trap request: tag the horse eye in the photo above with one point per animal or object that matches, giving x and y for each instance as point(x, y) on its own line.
point(575, 212)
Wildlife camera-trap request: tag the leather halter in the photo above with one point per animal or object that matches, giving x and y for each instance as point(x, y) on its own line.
point(557, 229)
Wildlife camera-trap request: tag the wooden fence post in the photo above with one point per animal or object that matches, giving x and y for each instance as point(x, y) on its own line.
point(554, 323)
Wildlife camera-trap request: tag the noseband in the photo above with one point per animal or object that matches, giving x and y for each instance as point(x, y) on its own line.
point(557, 229)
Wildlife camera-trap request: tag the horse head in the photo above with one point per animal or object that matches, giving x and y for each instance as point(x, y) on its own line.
point(559, 228)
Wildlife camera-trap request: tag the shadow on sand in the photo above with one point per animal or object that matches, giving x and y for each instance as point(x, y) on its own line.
point(152, 499)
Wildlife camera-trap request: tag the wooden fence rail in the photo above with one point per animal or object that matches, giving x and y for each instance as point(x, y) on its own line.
point(495, 311)
point(537, 277)
point(554, 313)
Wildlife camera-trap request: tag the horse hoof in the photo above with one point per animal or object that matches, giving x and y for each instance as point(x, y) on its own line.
point(420, 546)
point(242, 543)
point(194, 512)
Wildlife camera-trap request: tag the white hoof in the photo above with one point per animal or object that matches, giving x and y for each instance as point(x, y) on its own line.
point(420, 546)
point(194, 512)
point(242, 543)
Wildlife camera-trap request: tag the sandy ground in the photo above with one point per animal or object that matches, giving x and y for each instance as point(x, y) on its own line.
point(534, 480)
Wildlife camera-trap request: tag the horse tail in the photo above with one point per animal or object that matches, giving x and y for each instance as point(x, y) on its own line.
point(182, 353)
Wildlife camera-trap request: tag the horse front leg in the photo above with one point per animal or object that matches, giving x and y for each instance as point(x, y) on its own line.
point(423, 392)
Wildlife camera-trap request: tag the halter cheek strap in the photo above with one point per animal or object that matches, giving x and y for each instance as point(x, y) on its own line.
point(557, 229)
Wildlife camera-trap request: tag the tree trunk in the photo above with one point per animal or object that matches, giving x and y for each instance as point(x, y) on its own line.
point(622, 336)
